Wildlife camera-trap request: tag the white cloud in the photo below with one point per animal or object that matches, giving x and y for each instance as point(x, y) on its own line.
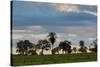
point(84, 31)
point(91, 39)
point(35, 27)
point(17, 36)
point(72, 33)
point(23, 29)
point(39, 36)
point(90, 12)
point(29, 36)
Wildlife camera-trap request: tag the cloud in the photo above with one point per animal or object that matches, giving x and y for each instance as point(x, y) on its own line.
point(91, 39)
point(66, 8)
point(31, 36)
point(35, 27)
point(38, 32)
point(39, 36)
point(19, 31)
point(27, 29)
point(17, 36)
point(34, 13)
point(90, 12)
point(84, 31)
point(72, 33)
point(76, 8)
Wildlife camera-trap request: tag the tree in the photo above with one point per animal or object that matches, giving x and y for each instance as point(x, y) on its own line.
point(20, 48)
point(56, 50)
point(65, 46)
point(23, 47)
point(52, 37)
point(82, 48)
point(32, 51)
point(43, 44)
point(74, 49)
point(27, 45)
point(81, 43)
point(95, 46)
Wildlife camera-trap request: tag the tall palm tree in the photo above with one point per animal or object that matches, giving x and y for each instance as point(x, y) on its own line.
point(52, 37)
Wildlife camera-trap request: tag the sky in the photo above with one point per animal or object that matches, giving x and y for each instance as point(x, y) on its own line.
point(34, 20)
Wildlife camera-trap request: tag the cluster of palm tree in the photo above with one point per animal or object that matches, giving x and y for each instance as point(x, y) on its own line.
point(25, 47)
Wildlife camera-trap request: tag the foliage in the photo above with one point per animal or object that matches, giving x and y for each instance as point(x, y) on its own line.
point(95, 46)
point(66, 46)
point(52, 37)
point(23, 47)
point(52, 59)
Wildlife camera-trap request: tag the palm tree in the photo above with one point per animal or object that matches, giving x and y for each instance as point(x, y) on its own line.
point(52, 38)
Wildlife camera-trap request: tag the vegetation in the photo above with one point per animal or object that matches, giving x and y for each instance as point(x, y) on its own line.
point(83, 48)
point(94, 50)
point(65, 46)
point(52, 38)
point(25, 47)
point(52, 59)
point(28, 56)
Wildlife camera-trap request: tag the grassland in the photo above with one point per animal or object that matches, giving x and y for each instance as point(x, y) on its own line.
point(52, 59)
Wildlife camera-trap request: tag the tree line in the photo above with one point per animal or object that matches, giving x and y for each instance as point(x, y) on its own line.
point(25, 47)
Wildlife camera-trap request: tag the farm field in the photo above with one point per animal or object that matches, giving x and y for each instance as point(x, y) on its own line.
point(52, 59)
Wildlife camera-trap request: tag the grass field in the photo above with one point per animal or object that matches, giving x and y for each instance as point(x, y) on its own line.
point(52, 59)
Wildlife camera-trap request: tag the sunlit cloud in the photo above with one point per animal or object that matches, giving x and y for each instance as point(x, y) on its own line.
point(74, 8)
point(66, 8)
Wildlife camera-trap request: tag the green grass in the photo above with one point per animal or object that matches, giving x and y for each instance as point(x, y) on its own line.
point(52, 59)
